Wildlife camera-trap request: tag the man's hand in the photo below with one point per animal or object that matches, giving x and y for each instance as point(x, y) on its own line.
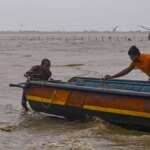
point(50, 79)
point(28, 78)
point(107, 77)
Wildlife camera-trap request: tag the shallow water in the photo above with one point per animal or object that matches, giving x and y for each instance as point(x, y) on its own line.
point(71, 55)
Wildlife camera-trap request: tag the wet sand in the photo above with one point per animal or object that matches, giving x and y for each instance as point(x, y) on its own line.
point(84, 54)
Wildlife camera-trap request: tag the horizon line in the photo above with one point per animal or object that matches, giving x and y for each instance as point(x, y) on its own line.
point(67, 31)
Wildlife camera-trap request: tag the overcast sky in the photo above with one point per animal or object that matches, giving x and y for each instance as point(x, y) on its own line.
point(74, 15)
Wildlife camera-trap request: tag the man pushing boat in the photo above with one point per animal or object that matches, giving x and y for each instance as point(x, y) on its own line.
point(139, 61)
point(39, 73)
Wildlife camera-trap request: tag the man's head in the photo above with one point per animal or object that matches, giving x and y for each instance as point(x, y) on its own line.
point(45, 63)
point(134, 53)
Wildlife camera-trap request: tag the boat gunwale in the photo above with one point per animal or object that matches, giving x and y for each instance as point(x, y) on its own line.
point(127, 80)
point(66, 85)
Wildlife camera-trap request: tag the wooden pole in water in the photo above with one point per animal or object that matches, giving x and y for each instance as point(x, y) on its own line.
point(117, 38)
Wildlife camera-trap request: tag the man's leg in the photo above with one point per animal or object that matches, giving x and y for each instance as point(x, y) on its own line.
point(24, 102)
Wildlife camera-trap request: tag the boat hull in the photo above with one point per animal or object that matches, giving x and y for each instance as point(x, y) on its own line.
point(123, 107)
point(74, 113)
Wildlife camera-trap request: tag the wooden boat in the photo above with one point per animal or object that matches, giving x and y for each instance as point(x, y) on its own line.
point(121, 102)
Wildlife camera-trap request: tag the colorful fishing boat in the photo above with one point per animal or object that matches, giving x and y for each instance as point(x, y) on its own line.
point(121, 102)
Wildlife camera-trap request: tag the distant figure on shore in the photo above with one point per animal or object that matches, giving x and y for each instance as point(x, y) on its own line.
point(37, 73)
point(149, 37)
point(139, 61)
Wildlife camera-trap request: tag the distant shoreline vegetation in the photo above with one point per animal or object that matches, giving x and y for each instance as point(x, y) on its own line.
point(71, 32)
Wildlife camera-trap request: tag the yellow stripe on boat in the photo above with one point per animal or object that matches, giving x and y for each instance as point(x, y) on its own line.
point(117, 111)
point(95, 108)
point(44, 100)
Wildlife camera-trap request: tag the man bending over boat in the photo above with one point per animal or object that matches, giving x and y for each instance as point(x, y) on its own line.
point(37, 73)
point(139, 61)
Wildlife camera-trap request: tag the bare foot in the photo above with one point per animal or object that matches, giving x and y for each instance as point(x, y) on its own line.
point(26, 109)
